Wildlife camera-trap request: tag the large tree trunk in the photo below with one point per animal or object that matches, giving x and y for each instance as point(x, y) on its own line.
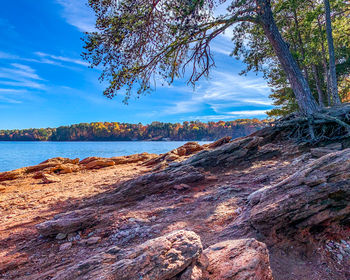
point(306, 102)
point(333, 74)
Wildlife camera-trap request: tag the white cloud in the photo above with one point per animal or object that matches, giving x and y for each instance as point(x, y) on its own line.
point(62, 58)
point(227, 95)
point(19, 72)
point(18, 78)
point(11, 90)
point(249, 113)
point(9, 100)
point(78, 14)
point(23, 84)
point(4, 55)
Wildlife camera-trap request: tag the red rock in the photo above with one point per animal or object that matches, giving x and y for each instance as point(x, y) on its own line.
point(317, 193)
point(157, 259)
point(244, 259)
point(96, 164)
point(68, 222)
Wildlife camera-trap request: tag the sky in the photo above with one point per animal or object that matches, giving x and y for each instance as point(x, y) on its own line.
point(44, 82)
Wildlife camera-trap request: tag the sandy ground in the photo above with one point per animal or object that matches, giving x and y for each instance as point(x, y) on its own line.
point(209, 208)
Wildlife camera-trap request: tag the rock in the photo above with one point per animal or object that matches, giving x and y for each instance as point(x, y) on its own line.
point(64, 168)
point(89, 159)
point(171, 157)
point(68, 222)
point(11, 175)
point(196, 270)
point(100, 163)
point(48, 179)
point(220, 142)
point(158, 182)
point(60, 160)
point(133, 158)
point(65, 246)
point(238, 260)
point(163, 160)
point(61, 236)
point(313, 197)
point(160, 258)
point(334, 146)
point(51, 163)
point(93, 240)
point(188, 149)
point(235, 153)
point(320, 152)
point(181, 187)
point(157, 259)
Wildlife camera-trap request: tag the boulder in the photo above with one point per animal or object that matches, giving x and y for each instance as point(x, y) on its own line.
point(188, 149)
point(11, 175)
point(314, 196)
point(133, 158)
point(100, 163)
point(244, 259)
point(61, 160)
point(157, 259)
point(51, 163)
point(68, 222)
point(89, 159)
point(161, 258)
point(64, 168)
point(48, 179)
point(219, 142)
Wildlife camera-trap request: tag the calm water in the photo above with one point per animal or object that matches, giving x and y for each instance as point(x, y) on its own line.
point(14, 155)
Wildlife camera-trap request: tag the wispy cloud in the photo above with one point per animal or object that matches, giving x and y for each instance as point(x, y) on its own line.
point(16, 80)
point(78, 14)
point(62, 58)
point(230, 115)
point(228, 95)
point(19, 72)
point(45, 58)
point(4, 55)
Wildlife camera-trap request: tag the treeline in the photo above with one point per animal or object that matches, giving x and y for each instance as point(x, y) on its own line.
point(156, 131)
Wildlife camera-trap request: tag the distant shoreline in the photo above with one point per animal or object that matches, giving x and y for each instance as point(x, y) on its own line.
point(156, 131)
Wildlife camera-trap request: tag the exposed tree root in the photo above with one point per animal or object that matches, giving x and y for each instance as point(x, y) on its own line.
point(328, 125)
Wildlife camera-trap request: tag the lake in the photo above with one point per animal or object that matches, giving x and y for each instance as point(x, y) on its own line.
point(15, 155)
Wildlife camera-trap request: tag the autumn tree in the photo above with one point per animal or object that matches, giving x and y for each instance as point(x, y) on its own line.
point(139, 41)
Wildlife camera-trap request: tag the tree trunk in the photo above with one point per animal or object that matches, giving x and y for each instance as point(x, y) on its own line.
point(306, 102)
point(296, 21)
point(324, 63)
point(332, 71)
point(318, 86)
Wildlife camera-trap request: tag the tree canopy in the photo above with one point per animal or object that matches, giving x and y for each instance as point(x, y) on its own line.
point(138, 42)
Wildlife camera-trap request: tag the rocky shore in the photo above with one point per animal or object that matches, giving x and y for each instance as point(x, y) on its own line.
point(257, 207)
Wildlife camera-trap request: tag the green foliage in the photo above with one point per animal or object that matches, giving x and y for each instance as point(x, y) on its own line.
point(107, 131)
point(141, 41)
point(302, 26)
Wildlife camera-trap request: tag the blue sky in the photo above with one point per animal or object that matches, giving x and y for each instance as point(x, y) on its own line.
point(45, 83)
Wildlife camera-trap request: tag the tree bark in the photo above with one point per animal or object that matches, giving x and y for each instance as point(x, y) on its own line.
point(306, 102)
point(318, 86)
point(324, 63)
point(296, 21)
point(332, 71)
